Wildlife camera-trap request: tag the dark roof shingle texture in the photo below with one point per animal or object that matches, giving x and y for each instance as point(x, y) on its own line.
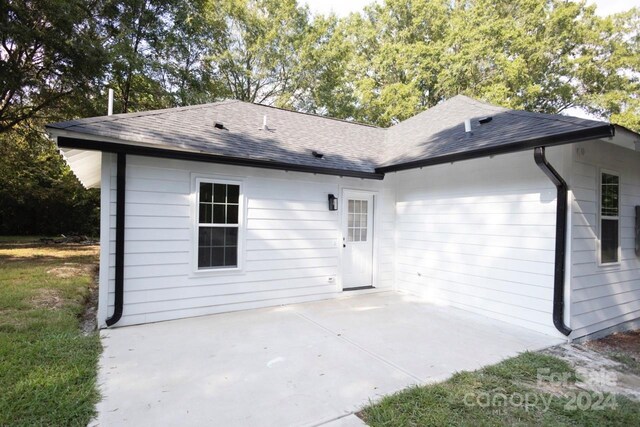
point(291, 136)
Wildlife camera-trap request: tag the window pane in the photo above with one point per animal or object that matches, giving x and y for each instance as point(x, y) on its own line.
point(204, 257)
point(204, 236)
point(364, 206)
point(232, 214)
point(231, 236)
point(206, 189)
point(217, 257)
point(220, 193)
point(231, 256)
point(233, 193)
point(219, 214)
point(356, 220)
point(205, 213)
point(217, 236)
point(350, 238)
point(363, 220)
point(609, 240)
point(610, 192)
point(363, 236)
point(351, 206)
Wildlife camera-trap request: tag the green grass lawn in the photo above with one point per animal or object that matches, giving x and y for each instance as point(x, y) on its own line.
point(497, 396)
point(47, 365)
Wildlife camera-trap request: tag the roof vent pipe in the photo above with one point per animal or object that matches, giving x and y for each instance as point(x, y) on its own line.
point(110, 103)
point(264, 123)
point(467, 125)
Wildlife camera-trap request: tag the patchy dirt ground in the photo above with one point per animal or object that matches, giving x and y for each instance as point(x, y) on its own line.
point(71, 269)
point(610, 364)
point(47, 298)
point(89, 320)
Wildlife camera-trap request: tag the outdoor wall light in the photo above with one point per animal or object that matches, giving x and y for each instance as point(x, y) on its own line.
point(333, 202)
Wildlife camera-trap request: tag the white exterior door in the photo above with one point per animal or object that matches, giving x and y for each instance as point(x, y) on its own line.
point(357, 265)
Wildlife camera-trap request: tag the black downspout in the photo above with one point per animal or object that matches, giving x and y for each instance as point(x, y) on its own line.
point(561, 238)
point(120, 200)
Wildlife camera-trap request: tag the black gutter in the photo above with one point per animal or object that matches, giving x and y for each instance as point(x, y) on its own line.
point(110, 147)
point(603, 131)
point(120, 203)
point(561, 238)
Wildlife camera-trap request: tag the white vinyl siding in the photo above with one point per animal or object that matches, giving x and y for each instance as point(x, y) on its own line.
point(602, 295)
point(480, 235)
point(291, 241)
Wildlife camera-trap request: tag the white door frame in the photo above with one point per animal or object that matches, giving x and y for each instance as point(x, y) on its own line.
point(374, 228)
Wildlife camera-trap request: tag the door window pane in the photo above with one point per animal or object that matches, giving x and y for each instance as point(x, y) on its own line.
point(357, 220)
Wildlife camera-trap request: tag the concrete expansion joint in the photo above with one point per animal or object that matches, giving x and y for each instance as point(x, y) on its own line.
point(359, 347)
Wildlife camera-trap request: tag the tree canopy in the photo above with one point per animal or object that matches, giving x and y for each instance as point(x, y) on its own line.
point(383, 65)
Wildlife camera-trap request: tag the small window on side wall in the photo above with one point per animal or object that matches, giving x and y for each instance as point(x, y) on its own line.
point(609, 218)
point(218, 224)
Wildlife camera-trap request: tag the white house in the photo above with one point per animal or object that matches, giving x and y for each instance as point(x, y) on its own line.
point(527, 218)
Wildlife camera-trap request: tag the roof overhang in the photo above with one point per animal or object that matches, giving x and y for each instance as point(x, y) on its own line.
point(597, 132)
point(85, 165)
point(80, 142)
point(625, 138)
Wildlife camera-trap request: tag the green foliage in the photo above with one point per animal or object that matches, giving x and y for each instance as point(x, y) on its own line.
point(256, 55)
point(447, 403)
point(48, 368)
point(543, 56)
point(48, 50)
point(38, 192)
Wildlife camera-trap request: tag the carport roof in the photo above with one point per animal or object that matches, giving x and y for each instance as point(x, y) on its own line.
point(290, 138)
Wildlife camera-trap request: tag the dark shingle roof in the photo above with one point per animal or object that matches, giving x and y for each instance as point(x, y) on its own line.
point(292, 137)
point(439, 131)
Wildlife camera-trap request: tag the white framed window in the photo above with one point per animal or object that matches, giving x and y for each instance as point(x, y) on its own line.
point(609, 218)
point(218, 233)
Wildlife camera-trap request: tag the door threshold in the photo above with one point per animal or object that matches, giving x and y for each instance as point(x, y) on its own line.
point(358, 288)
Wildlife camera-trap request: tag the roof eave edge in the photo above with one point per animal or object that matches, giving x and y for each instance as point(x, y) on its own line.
point(604, 131)
point(141, 150)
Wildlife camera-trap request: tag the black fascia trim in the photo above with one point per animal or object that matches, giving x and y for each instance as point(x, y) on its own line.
point(561, 238)
point(136, 150)
point(603, 131)
point(119, 265)
point(359, 288)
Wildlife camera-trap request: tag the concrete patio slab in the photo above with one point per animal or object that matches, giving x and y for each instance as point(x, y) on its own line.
point(304, 364)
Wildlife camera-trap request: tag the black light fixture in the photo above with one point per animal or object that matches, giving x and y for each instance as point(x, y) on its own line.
point(333, 202)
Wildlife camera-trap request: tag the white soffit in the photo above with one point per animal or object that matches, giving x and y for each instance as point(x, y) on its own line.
point(625, 138)
point(85, 165)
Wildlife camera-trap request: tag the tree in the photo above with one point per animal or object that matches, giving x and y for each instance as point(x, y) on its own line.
point(134, 31)
point(257, 55)
point(48, 49)
point(38, 192)
point(543, 56)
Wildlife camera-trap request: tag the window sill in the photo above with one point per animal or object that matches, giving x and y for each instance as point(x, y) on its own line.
point(610, 265)
point(216, 272)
